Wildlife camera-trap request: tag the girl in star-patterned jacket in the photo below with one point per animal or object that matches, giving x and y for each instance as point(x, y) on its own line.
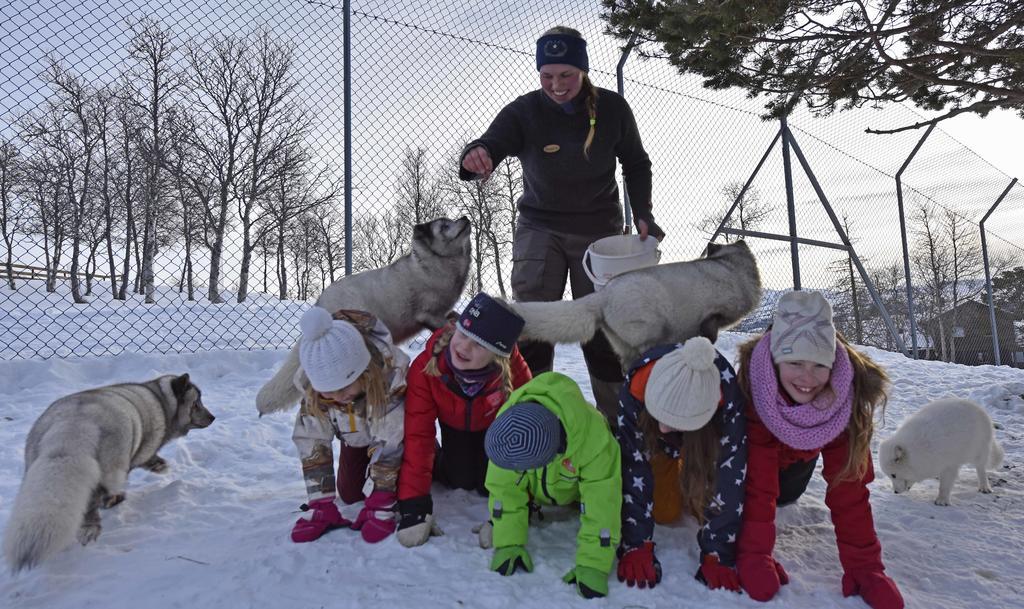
point(681, 402)
point(809, 395)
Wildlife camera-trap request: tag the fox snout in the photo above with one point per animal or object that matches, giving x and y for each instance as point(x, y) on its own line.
point(200, 417)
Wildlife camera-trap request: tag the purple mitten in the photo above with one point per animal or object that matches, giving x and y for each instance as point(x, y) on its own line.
point(377, 518)
point(322, 516)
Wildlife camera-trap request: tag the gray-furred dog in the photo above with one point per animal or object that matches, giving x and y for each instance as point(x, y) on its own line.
point(655, 305)
point(78, 455)
point(414, 292)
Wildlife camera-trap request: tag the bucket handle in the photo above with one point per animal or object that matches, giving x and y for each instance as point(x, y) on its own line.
point(586, 267)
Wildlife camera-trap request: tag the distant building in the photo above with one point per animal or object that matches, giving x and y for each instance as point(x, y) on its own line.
point(969, 335)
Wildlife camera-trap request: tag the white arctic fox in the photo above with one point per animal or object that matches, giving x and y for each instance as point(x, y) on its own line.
point(935, 441)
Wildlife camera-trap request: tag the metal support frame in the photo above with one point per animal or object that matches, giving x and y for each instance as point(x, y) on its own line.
point(787, 168)
point(620, 85)
point(347, 42)
point(903, 238)
point(870, 285)
point(788, 141)
point(988, 276)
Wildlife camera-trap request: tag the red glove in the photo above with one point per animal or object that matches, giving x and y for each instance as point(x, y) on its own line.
point(377, 519)
point(876, 588)
point(761, 576)
point(322, 516)
point(640, 567)
point(716, 575)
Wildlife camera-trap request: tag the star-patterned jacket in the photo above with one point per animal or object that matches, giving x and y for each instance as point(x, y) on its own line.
point(723, 514)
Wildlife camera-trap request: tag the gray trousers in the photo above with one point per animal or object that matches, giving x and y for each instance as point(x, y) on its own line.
point(541, 263)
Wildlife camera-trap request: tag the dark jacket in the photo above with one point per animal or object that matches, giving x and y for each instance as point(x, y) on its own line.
point(723, 513)
point(439, 398)
point(562, 190)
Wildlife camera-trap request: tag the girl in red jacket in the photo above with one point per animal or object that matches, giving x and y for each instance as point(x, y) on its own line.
point(810, 394)
point(461, 378)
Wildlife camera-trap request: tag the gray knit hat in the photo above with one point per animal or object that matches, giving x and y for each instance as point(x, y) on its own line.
point(803, 330)
point(524, 436)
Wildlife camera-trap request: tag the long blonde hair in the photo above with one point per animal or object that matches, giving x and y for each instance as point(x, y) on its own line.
point(442, 342)
point(374, 383)
point(869, 394)
point(588, 87)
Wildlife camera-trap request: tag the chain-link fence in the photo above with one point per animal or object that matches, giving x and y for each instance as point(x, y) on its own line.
point(173, 173)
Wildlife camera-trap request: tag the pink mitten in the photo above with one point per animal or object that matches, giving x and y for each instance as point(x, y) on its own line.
point(377, 518)
point(322, 516)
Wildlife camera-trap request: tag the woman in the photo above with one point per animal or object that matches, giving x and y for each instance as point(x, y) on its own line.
point(567, 135)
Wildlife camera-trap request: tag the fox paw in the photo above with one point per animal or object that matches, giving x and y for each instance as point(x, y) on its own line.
point(941, 501)
point(110, 501)
point(157, 465)
point(88, 533)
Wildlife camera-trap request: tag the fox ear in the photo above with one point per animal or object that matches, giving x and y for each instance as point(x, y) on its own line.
point(897, 453)
point(179, 385)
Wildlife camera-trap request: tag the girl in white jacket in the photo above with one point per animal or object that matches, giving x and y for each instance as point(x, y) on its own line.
point(356, 394)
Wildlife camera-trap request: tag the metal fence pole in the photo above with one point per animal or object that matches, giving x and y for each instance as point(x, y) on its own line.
point(846, 241)
point(988, 276)
point(903, 237)
point(620, 85)
point(348, 134)
point(787, 167)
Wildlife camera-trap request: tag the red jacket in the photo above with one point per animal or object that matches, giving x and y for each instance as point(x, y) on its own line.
point(847, 501)
point(432, 398)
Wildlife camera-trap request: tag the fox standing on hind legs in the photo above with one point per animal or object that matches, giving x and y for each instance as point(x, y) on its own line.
point(416, 291)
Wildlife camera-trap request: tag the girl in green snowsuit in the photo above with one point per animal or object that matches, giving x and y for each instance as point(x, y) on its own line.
point(547, 445)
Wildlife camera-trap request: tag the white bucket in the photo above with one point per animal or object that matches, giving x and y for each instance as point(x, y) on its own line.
point(618, 254)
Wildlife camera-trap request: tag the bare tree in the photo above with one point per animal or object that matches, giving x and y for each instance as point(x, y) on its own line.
point(129, 124)
point(419, 198)
point(44, 191)
point(297, 190)
point(750, 212)
point(932, 264)
point(486, 206)
point(194, 192)
point(152, 47)
point(379, 239)
point(271, 124)
point(965, 267)
point(218, 76)
point(11, 210)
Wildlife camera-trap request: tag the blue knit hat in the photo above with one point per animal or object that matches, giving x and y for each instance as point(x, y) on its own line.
point(525, 436)
point(490, 324)
point(562, 48)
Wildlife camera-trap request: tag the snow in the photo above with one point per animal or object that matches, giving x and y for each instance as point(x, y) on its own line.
point(213, 530)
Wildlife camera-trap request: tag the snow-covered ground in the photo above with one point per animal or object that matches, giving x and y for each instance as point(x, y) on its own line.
point(213, 531)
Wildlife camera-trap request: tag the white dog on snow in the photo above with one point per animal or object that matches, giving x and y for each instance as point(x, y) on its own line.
point(935, 441)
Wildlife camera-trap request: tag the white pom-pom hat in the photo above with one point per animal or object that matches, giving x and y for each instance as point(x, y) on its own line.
point(684, 388)
point(332, 352)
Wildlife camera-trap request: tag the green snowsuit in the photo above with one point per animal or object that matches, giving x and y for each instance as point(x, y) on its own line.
point(589, 472)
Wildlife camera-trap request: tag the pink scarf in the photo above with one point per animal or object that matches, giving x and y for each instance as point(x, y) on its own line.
point(802, 426)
